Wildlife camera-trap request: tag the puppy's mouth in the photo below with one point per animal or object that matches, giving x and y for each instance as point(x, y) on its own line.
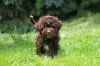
point(49, 37)
point(49, 32)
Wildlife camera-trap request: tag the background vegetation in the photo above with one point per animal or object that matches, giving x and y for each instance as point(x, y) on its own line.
point(14, 13)
point(22, 8)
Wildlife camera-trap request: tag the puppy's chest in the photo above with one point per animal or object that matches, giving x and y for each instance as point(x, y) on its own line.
point(48, 41)
point(46, 47)
point(47, 44)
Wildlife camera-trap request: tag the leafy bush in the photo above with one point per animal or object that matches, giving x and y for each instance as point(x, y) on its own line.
point(38, 7)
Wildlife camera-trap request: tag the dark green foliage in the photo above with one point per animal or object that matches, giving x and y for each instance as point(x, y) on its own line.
point(11, 9)
point(57, 3)
point(20, 8)
point(37, 10)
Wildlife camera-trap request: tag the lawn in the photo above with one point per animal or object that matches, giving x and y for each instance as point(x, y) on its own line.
point(79, 45)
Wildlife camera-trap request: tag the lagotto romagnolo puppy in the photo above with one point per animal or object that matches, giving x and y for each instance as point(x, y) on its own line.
point(47, 41)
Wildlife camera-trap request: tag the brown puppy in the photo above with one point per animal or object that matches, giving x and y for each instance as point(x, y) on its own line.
point(47, 41)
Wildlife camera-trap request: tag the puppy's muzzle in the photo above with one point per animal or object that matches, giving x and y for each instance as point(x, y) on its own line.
point(51, 33)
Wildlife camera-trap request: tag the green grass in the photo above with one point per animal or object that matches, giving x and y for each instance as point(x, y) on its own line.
point(79, 45)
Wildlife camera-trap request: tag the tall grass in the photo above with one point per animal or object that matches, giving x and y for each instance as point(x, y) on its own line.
point(79, 46)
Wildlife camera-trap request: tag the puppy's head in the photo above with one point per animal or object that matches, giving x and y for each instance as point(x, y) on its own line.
point(48, 26)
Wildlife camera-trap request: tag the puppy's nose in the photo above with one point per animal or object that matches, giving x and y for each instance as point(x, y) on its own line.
point(48, 31)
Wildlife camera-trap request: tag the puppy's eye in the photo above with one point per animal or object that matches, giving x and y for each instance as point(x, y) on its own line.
point(53, 27)
point(48, 25)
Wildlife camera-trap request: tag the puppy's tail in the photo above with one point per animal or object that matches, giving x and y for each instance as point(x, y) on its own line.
point(32, 19)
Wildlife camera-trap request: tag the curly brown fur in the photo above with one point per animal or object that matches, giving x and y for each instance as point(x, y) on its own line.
point(47, 41)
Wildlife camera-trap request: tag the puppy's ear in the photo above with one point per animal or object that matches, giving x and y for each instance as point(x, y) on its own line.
point(58, 25)
point(31, 18)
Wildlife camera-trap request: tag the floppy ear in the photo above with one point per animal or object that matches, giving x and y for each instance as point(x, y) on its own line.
point(58, 25)
point(32, 19)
